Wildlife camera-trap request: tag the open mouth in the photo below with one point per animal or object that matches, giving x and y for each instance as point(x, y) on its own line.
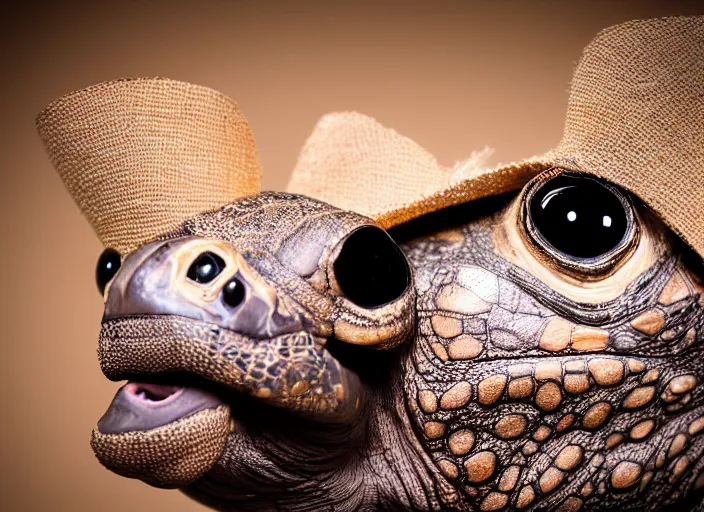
point(153, 394)
point(170, 423)
point(293, 372)
point(166, 435)
point(139, 406)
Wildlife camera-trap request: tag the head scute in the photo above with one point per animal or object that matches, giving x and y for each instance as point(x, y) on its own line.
point(140, 156)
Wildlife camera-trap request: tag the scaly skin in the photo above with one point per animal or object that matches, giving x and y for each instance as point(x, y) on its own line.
point(496, 391)
point(517, 414)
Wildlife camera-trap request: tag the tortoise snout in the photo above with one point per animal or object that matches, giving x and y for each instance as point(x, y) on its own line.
point(202, 279)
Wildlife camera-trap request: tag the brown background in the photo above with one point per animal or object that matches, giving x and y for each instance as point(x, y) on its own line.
point(454, 76)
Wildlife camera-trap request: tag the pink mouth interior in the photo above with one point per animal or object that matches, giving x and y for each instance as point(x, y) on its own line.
point(153, 394)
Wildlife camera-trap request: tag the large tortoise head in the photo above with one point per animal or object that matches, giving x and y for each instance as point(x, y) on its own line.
point(457, 345)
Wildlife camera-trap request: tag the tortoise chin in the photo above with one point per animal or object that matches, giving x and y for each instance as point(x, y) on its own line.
point(165, 441)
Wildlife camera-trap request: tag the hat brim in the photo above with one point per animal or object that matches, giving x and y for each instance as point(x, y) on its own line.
point(353, 162)
point(483, 183)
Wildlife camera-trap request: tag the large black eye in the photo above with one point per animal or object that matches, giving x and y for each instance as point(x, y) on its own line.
point(206, 268)
point(371, 270)
point(579, 216)
point(108, 264)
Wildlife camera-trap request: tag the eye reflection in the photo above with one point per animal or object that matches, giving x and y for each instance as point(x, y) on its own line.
point(108, 265)
point(578, 216)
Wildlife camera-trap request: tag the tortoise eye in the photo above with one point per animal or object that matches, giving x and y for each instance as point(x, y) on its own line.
point(579, 220)
point(370, 269)
point(109, 263)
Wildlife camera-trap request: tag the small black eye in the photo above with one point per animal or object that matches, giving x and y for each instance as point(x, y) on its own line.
point(371, 270)
point(206, 268)
point(579, 216)
point(233, 293)
point(108, 264)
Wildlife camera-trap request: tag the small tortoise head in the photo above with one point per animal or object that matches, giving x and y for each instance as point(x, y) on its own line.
point(558, 361)
point(243, 308)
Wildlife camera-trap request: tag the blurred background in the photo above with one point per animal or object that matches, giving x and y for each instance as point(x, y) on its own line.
point(453, 76)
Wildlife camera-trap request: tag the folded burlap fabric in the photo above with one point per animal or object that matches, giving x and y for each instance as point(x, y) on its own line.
point(142, 155)
point(635, 117)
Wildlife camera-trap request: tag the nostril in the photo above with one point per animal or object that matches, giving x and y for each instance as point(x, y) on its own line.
point(108, 264)
point(205, 268)
point(233, 293)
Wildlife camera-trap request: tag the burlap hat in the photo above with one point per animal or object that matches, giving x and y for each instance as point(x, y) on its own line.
point(635, 117)
point(142, 155)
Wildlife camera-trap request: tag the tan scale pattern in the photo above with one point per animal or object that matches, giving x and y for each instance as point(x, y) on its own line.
point(642, 430)
point(573, 389)
point(559, 386)
point(614, 440)
point(558, 379)
point(650, 322)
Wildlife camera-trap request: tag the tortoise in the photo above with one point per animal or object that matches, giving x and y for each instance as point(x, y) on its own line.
point(392, 334)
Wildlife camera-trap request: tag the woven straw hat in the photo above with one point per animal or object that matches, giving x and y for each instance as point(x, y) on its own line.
point(142, 155)
point(635, 117)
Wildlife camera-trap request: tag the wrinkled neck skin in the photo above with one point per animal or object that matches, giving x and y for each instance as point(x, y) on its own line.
point(373, 464)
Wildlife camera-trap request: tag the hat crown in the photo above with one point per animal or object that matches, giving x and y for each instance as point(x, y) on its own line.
point(636, 116)
point(140, 156)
